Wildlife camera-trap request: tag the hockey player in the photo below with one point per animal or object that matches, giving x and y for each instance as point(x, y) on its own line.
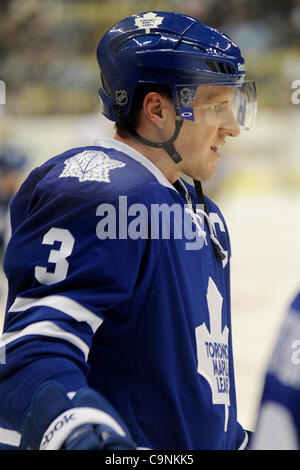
point(278, 425)
point(118, 324)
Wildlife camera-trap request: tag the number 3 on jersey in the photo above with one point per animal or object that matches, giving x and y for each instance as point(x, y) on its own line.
point(58, 257)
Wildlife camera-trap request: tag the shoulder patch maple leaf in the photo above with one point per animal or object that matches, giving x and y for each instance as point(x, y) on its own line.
point(90, 165)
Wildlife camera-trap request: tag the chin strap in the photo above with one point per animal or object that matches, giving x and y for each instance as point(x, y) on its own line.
point(216, 246)
point(168, 145)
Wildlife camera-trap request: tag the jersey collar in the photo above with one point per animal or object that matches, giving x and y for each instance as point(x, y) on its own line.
point(107, 142)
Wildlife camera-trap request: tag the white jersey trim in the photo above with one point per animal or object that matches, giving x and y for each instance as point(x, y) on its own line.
point(9, 437)
point(107, 142)
point(245, 442)
point(63, 304)
point(45, 328)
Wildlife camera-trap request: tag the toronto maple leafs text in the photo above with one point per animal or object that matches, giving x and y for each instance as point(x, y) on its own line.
point(218, 352)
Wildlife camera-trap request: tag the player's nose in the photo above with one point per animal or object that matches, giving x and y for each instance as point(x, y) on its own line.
point(230, 126)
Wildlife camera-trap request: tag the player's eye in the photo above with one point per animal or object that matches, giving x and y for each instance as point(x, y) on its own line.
point(218, 108)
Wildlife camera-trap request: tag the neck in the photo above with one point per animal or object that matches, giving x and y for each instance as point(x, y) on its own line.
point(157, 156)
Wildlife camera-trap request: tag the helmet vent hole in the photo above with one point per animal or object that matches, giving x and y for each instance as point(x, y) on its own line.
point(212, 66)
point(220, 67)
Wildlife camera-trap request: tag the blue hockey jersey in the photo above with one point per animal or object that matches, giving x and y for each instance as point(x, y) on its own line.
point(278, 426)
point(114, 284)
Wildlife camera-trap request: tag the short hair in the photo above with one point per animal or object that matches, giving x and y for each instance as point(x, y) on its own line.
point(140, 91)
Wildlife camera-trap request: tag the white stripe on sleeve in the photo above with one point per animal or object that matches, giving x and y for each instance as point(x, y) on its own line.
point(45, 328)
point(59, 302)
point(12, 438)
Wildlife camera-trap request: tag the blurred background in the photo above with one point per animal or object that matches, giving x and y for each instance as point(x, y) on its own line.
point(47, 61)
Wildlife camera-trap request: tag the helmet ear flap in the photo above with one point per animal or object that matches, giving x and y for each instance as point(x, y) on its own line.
point(104, 84)
point(131, 110)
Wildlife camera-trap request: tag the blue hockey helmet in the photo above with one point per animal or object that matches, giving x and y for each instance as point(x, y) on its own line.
point(170, 49)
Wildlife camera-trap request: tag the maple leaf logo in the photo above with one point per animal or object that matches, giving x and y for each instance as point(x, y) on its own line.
point(212, 350)
point(90, 165)
point(148, 21)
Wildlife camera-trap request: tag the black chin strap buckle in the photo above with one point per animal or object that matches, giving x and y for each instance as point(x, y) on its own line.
point(219, 254)
point(172, 152)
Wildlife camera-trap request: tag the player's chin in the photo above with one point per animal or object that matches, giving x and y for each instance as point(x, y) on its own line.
point(210, 175)
point(212, 166)
point(206, 174)
point(204, 170)
point(209, 172)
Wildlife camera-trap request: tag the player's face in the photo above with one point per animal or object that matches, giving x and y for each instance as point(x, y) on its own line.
point(199, 140)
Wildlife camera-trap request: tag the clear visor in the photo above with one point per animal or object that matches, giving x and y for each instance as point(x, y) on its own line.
point(228, 107)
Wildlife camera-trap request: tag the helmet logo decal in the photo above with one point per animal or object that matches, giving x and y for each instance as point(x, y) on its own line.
point(187, 113)
point(148, 21)
point(121, 97)
point(187, 96)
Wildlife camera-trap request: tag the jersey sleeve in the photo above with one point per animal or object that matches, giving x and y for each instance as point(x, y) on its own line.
point(66, 270)
point(278, 424)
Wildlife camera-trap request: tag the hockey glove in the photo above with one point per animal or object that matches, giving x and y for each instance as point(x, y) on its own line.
point(87, 422)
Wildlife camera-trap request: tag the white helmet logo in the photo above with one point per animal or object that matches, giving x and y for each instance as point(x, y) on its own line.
point(148, 21)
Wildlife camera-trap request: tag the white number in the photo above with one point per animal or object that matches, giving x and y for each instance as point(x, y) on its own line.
point(58, 257)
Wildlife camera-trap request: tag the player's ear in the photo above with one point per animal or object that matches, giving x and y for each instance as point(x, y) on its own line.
point(156, 109)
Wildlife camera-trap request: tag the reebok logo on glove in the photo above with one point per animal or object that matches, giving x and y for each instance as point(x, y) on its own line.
point(56, 426)
point(66, 422)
